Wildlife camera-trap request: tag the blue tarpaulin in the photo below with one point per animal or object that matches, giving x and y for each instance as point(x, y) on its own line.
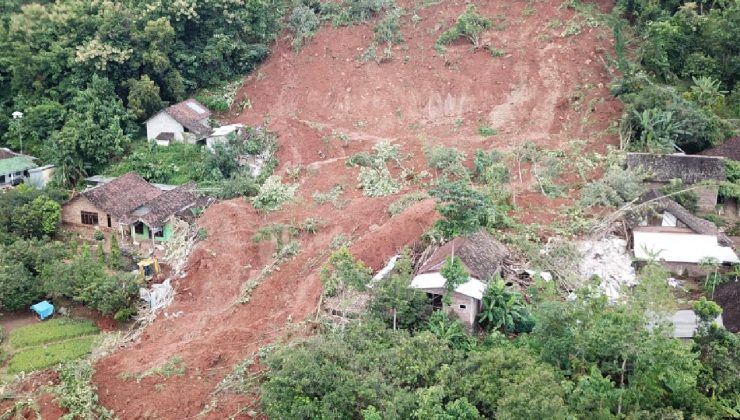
point(43, 309)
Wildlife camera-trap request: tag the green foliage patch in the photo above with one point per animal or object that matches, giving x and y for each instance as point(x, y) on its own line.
point(35, 358)
point(51, 330)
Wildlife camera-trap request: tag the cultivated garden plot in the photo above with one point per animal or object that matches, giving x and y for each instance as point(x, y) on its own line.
point(47, 344)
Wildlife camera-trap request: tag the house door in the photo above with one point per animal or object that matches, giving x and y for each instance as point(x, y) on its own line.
point(109, 222)
point(435, 301)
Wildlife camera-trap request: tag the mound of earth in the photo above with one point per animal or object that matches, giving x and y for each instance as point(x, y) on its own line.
point(728, 297)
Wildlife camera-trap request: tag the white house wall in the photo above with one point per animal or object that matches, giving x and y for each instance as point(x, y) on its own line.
point(163, 123)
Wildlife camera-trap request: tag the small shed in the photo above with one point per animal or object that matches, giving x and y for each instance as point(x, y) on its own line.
point(43, 309)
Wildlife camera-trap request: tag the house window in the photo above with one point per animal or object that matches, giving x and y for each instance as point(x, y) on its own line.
point(463, 307)
point(89, 218)
point(139, 228)
point(159, 233)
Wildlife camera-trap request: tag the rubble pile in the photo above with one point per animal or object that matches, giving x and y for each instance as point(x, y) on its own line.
point(610, 260)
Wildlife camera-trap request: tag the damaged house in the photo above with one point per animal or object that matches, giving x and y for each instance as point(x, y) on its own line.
point(669, 232)
point(483, 257)
point(131, 206)
point(184, 122)
point(706, 171)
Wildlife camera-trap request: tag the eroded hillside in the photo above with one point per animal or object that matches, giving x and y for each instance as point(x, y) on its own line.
point(326, 103)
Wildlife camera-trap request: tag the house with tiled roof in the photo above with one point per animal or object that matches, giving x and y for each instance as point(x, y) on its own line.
point(184, 122)
point(483, 257)
point(130, 206)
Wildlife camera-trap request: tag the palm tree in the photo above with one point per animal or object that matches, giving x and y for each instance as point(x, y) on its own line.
point(503, 308)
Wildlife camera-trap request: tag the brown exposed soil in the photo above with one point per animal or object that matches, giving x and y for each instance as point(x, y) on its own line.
point(728, 297)
point(416, 99)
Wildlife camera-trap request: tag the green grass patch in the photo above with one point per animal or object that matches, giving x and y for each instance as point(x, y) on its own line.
point(486, 131)
point(52, 330)
point(44, 356)
point(175, 164)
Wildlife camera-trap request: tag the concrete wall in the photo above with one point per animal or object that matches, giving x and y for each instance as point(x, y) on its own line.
point(39, 177)
point(71, 213)
point(707, 198)
point(467, 315)
point(163, 123)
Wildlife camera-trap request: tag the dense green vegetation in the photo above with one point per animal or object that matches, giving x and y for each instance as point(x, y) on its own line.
point(217, 172)
point(85, 73)
point(681, 90)
point(34, 264)
point(584, 358)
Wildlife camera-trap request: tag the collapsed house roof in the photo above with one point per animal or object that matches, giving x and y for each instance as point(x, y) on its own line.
point(688, 168)
point(122, 195)
point(690, 244)
point(730, 149)
point(158, 210)
point(190, 113)
point(660, 203)
point(6, 153)
point(481, 254)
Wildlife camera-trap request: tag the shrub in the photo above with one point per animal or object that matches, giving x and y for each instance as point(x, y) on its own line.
point(36, 358)
point(469, 25)
point(377, 182)
point(388, 29)
point(48, 331)
point(486, 131)
point(343, 272)
point(202, 234)
point(273, 194)
point(617, 187)
point(447, 160)
point(362, 10)
point(303, 22)
point(77, 394)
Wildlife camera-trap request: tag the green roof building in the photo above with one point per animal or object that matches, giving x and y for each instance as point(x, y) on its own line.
point(14, 167)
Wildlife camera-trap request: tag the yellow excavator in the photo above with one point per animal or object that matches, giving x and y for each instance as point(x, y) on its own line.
point(149, 268)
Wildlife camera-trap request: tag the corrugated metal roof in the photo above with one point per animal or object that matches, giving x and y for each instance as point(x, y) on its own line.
point(16, 164)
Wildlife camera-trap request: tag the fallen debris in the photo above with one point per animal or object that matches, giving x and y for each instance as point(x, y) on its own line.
point(609, 260)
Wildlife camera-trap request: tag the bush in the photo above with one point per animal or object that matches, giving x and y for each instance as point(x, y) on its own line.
point(447, 160)
point(303, 22)
point(469, 25)
point(661, 114)
point(51, 330)
point(486, 130)
point(76, 393)
point(617, 187)
point(388, 29)
point(377, 182)
point(42, 357)
point(344, 272)
point(273, 194)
